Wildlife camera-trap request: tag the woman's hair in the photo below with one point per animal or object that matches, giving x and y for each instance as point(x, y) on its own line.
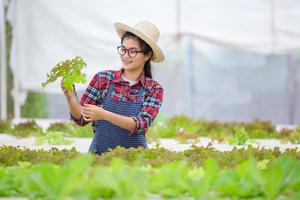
point(145, 48)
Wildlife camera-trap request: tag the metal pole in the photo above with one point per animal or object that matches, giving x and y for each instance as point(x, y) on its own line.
point(189, 76)
point(178, 19)
point(191, 66)
point(273, 26)
point(3, 62)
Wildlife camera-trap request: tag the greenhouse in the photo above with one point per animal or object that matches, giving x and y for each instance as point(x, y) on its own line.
point(150, 100)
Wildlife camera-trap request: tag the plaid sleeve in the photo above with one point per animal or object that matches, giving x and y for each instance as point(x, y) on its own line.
point(93, 92)
point(150, 109)
point(80, 121)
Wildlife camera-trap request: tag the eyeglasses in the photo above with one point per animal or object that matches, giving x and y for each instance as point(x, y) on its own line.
point(131, 52)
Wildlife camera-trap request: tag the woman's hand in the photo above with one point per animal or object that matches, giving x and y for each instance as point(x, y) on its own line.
point(69, 95)
point(92, 112)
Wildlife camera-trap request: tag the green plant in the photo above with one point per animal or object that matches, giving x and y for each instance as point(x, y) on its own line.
point(69, 70)
point(282, 174)
point(54, 138)
point(79, 179)
point(241, 136)
point(66, 127)
point(10, 155)
point(180, 126)
point(5, 126)
point(48, 181)
point(26, 129)
point(292, 136)
point(79, 131)
point(35, 106)
point(170, 180)
point(70, 129)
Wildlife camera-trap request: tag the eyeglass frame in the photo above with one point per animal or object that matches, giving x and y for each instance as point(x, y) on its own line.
point(128, 50)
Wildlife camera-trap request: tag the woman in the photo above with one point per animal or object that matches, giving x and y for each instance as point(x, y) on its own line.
point(123, 104)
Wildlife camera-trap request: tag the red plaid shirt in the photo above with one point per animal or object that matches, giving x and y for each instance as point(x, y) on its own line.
point(98, 88)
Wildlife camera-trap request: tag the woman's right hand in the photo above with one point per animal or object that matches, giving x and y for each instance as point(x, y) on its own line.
point(69, 94)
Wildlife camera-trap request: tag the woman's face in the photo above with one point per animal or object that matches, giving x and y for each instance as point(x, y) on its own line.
point(137, 62)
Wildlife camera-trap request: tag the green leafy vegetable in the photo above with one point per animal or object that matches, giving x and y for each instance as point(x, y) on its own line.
point(240, 137)
point(54, 138)
point(69, 70)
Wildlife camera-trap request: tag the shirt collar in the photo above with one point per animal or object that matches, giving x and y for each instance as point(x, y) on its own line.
point(118, 78)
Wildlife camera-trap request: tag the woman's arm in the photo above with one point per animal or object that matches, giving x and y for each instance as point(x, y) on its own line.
point(90, 96)
point(150, 109)
point(92, 112)
point(72, 103)
point(122, 121)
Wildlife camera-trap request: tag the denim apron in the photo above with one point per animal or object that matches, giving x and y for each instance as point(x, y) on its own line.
point(109, 136)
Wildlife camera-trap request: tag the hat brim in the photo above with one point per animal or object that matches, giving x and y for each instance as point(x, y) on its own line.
point(158, 55)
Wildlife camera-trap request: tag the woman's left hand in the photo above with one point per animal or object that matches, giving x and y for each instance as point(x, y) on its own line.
point(92, 112)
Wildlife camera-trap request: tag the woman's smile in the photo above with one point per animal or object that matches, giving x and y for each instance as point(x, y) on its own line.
point(126, 62)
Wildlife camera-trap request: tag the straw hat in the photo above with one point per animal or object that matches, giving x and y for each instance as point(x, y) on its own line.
point(147, 32)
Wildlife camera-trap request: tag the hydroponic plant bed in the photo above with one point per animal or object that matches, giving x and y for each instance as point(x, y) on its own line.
point(199, 173)
point(82, 144)
point(186, 159)
point(177, 134)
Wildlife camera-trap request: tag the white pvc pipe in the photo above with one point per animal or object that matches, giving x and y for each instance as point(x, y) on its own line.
point(3, 64)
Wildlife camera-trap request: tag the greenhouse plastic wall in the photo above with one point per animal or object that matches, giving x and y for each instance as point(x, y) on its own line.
point(213, 82)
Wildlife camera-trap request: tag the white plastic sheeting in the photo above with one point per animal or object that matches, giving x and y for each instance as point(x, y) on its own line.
point(46, 32)
point(263, 26)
